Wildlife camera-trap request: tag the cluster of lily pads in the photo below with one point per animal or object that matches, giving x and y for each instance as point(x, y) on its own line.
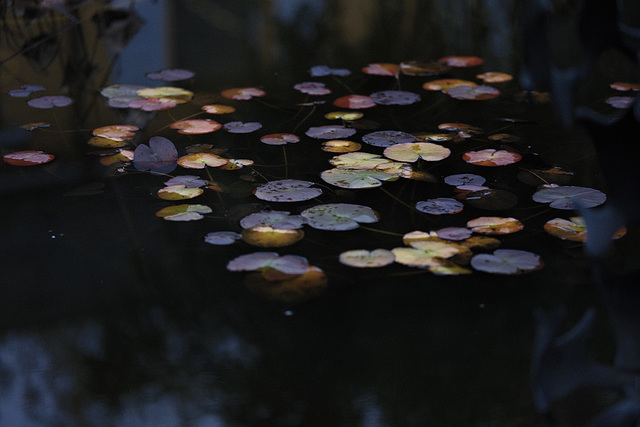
point(390, 155)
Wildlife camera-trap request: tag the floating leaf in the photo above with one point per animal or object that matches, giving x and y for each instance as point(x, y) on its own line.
point(387, 138)
point(395, 97)
point(494, 77)
point(279, 138)
point(461, 61)
point(323, 70)
point(35, 125)
point(25, 91)
point(171, 75)
point(242, 127)
point(621, 102)
point(412, 151)
point(330, 132)
point(288, 264)
point(340, 146)
point(183, 212)
point(381, 69)
point(354, 102)
point(431, 136)
point(443, 85)
point(487, 198)
point(222, 238)
point(218, 109)
point(159, 156)
point(235, 164)
point(362, 258)
point(454, 233)
point(243, 93)
point(287, 190)
point(276, 219)
point(27, 158)
point(358, 160)
point(46, 102)
point(420, 68)
point(167, 93)
point(312, 88)
point(504, 138)
point(344, 115)
point(561, 197)
point(196, 126)
point(152, 104)
point(464, 130)
point(429, 253)
point(339, 216)
point(354, 178)
point(494, 225)
point(464, 179)
point(265, 236)
point(507, 261)
point(440, 206)
point(574, 229)
point(200, 160)
point(189, 181)
point(491, 157)
point(179, 192)
point(116, 132)
point(473, 93)
point(120, 96)
point(625, 86)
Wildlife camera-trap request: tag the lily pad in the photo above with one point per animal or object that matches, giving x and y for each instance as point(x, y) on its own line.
point(243, 93)
point(196, 126)
point(356, 178)
point(395, 97)
point(443, 85)
point(422, 68)
point(218, 109)
point(287, 190)
point(362, 258)
point(291, 265)
point(179, 192)
point(330, 132)
point(323, 70)
point(358, 160)
point(222, 238)
point(279, 138)
point(242, 127)
point(381, 69)
point(293, 290)
point(27, 158)
point(201, 160)
point(312, 88)
point(440, 206)
point(159, 156)
point(573, 229)
point(464, 179)
point(189, 181)
point(494, 77)
point(46, 102)
point(339, 216)
point(461, 61)
point(473, 93)
point(491, 157)
point(387, 138)
point(562, 197)
point(340, 146)
point(507, 262)
point(276, 219)
point(494, 225)
point(268, 237)
point(412, 151)
point(354, 102)
point(183, 212)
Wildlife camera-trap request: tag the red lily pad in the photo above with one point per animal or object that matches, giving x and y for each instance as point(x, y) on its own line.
point(196, 126)
point(354, 102)
point(243, 93)
point(381, 69)
point(27, 158)
point(491, 157)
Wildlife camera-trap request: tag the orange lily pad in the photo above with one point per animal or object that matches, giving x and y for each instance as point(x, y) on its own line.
point(461, 61)
point(28, 158)
point(218, 109)
point(354, 102)
point(196, 126)
point(444, 85)
point(381, 69)
point(200, 160)
point(340, 146)
point(494, 225)
point(243, 93)
point(491, 157)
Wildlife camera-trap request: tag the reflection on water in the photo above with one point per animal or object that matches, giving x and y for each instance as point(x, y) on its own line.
point(110, 316)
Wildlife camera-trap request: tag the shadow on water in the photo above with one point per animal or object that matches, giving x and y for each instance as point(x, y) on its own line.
point(112, 316)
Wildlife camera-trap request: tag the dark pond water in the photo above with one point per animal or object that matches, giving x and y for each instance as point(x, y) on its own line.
point(110, 315)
